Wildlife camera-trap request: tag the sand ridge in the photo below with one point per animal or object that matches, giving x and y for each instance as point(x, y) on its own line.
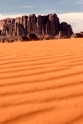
point(41, 82)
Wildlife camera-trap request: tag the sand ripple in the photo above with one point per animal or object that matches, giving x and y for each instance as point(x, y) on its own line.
point(41, 82)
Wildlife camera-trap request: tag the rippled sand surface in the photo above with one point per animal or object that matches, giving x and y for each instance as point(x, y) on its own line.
point(41, 82)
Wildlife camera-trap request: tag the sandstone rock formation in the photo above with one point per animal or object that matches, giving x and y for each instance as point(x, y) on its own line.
point(40, 25)
point(77, 35)
point(65, 29)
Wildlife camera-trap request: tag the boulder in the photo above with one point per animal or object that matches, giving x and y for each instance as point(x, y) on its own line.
point(32, 37)
point(23, 38)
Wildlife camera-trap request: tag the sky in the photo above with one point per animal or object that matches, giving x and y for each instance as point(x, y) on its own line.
point(70, 11)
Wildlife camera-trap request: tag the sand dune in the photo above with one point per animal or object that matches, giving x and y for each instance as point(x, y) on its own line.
point(41, 82)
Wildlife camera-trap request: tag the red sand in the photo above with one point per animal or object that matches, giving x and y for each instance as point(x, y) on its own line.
point(41, 82)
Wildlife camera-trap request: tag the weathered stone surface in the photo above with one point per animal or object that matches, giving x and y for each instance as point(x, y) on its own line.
point(48, 24)
point(77, 35)
point(31, 24)
point(40, 25)
point(66, 29)
point(53, 24)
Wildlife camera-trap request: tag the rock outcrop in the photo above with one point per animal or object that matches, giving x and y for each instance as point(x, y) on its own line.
point(77, 35)
point(65, 29)
point(40, 25)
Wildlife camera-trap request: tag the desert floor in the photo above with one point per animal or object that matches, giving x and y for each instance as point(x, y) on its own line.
point(41, 82)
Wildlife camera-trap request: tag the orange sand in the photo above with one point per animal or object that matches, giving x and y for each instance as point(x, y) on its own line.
point(41, 82)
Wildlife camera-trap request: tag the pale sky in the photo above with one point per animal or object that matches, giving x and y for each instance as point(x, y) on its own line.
point(70, 11)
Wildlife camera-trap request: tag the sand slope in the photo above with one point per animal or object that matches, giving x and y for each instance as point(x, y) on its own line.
point(41, 82)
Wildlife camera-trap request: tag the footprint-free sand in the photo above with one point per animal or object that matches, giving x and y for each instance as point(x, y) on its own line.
point(41, 82)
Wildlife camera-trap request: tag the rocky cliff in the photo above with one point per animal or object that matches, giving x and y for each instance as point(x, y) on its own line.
point(40, 25)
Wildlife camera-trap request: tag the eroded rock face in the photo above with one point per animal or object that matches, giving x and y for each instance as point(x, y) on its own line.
point(31, 24)
point(66, 29)
point(7, 27)
point(40, 25)
point(53, 24)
